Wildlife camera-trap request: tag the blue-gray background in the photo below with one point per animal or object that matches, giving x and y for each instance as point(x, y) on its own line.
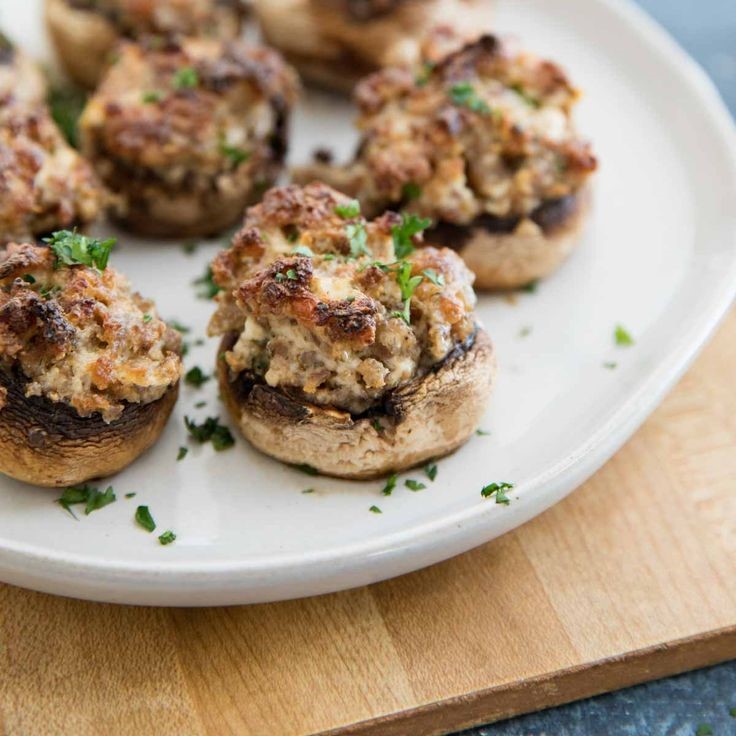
point(680, 705)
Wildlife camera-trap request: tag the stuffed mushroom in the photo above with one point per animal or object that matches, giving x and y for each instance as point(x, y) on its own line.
point(336, 42)
point(20, 79)
point(88, 371)
point(85, 32)
point(188, 134)
point(344, 347)
point(484, 144)
point(45, 184)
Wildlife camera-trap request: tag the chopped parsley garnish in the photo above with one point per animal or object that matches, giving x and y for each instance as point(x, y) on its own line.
point(179, 327)
point(182, 453)
point(423, 77)
point(525, 331)
point(464, 95)
point(528, 98)
point(437, 279)
point(430, 470)
point(72, 248)
point(151, 97)
point(531, 287)
point(375, 510)
point(610, 365)
point(66, 105)
point(376, 424)
point(497, 489)
point(292, 234)
point(390, 485)
point(93, 499)
point(306, 469)
point(329, 256)
point(49, 291)
point(186, 78)
point(411, 191)
point(190, 246)
point(303, 250)
point(291, 274)
point(168, 537)
point(196, 377)
point(236, 154)
point(411, 225)
point(704, 729)
point(414, 485)
point(358, 238)
point(147, 318)
point(308, 490)
point(732, 712)
point(130, 495)
point(349, 210)
point(200, 405)
point(208, 288)
point(622, 337)
point(210, 431)
point(482, 432)
point(29, 279)
point(407, 284)
point(143, 518)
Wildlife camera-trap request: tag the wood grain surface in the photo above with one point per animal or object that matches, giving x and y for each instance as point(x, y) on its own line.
point(630, 578)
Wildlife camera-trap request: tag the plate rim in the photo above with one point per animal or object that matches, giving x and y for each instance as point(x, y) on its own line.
point(437, 539)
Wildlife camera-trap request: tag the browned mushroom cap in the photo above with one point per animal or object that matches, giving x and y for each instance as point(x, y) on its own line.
point(48, 444)
point(428, 417)
point(527, 250)
point(85, 32)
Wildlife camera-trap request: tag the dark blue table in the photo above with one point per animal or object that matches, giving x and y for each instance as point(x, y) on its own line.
point(699, 702)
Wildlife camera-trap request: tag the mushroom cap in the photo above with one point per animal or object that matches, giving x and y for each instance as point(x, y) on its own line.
point(428, 417)
point(47, 443)
point(509, 260)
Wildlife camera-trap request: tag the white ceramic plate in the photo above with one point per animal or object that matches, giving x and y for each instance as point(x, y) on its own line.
point(659, 258)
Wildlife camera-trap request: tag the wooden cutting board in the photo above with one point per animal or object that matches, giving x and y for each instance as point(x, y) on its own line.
point(629, 579)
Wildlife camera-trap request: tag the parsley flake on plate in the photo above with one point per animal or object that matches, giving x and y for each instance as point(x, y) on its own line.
point(375, 510)
point(208, 288)
point(622, 337)
point(390, 484)
point(168, 537)
point(210, 431)
point(499, 491)
point(414, 485)
point(182, 453)
point(196, 377)
point(430, 470)
point(144, 519)
point(91, 497)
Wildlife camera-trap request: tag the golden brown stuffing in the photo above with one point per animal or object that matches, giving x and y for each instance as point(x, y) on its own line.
point(81, 336)
point(203, 119)
point(44, 184)
point(487, 131)
point(322, 305)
